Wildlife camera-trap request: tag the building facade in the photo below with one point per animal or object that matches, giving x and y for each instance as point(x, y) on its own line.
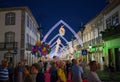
point(92, 39)
point(19, 31)
point(111, 35)
point(101, 36)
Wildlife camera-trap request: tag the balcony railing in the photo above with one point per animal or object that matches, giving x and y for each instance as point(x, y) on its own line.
point(8, 45)
point(93, 42)
point(111, 33)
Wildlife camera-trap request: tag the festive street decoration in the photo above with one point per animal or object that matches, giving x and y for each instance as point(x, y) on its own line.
point(62, 31)
point(58, 41)
point(67, 26)
point(41, 49)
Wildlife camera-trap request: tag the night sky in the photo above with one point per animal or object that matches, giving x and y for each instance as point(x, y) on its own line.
point(49, 12)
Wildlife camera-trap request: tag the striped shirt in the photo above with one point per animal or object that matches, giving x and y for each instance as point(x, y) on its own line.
point(3, 74)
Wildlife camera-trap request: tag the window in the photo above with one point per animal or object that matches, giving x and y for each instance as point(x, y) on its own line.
point(9, 37)
point(27, 44)
point(27, 20)
point(108, 22)
point(33, 27)
point(27, 38)
point(30, 21)
point(30, 39)
point(115, 19)
point(112, 20)
point(10, 18)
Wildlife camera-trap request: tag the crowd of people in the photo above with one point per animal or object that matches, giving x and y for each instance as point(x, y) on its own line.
point(48, 71)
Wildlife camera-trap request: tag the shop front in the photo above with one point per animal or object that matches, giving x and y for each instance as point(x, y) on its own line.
point(113, 52)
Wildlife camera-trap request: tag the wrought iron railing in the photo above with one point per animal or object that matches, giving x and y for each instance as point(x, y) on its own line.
point(8, 45)
point(95, 41)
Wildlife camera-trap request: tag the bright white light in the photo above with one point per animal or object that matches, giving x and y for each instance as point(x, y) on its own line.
point(57, 47)
point(62, 31)
point(71, 49)
point(54, 48)
point(56, 37)
point(58, 41)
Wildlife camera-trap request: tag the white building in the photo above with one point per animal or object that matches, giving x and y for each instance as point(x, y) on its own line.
point(18, 32)
point(111, 35)
point(92, 40)
point(107, 19)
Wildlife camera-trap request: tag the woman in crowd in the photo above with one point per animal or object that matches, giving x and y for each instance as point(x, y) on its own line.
point(34, 71)
point(53, 72)
point(27, 77)
point(61, 72)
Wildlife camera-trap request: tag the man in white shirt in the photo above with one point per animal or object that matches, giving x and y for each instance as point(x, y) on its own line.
point(92, 75)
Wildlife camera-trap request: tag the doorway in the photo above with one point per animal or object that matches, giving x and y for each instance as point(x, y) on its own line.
point(9, 57)
point(117, 59)
point(111, 59)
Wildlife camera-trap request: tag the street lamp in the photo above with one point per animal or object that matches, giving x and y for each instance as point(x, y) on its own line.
point(90, 46)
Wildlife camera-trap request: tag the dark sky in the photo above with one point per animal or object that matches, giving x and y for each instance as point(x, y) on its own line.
point(49, 12)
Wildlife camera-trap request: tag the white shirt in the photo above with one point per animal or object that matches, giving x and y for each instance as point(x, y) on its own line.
point(93, 77)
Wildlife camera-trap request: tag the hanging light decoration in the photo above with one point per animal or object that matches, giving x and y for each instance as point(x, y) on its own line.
point(58, 41)
point(62, 31)
point(57, 47)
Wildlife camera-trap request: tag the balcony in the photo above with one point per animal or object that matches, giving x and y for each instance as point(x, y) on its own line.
point(113, 32)
point(96, 42)
point(8, 45)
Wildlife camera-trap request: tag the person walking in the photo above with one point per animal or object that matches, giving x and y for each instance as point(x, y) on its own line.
point(40, 75)
point(76, 72)
point(92, 75)
point(16, 73)
point(4, 75)
point(61, 72)
point(53, 72)
point(27, 77)
point(34, 71)
point(20, 73)
point(11, 72)
point(46, 72)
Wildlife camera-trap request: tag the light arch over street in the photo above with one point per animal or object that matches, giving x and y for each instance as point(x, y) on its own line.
point(65, 24)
